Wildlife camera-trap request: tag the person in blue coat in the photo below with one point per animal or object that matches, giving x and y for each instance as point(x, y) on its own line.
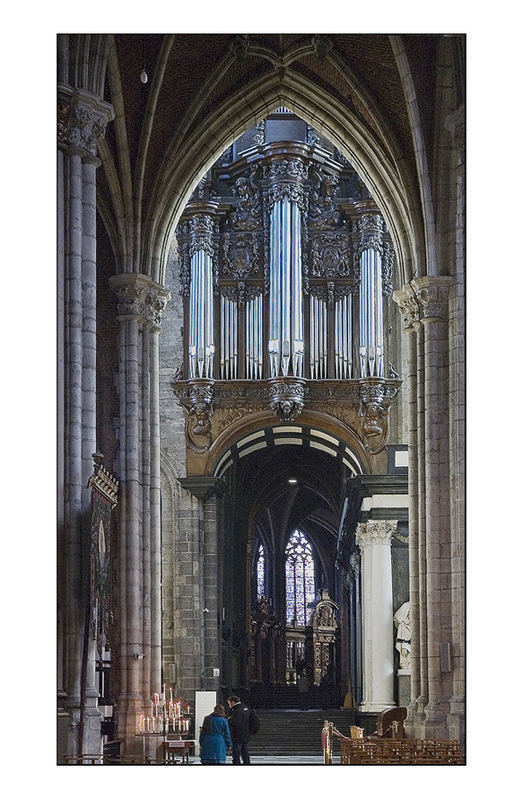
point(215, 737)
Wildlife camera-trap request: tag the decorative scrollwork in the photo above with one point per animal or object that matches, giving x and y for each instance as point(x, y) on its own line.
point(287, 397)
point(248, 212)
point(370, 229)
point(201, 397)
point(201, 233)
point(323, 214)
point(374, 409)
point(331, 255)
point(241, 254)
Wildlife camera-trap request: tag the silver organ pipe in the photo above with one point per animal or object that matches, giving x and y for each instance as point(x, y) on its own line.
point(229, 340)
point(274, 321)
point(192, 321)
point(364, 293)
point(312, 338)
point(371, 315)
point(286, 345)
point(222, 337)
point(234, 343)
point(259, 347)
point(348, 307)
point(253, 335)
point(343, 326)
point(201, 333)
point(318, 351)
point(200, 316)
point(380, 366)
point(371, 255)
point(337, 342)
point(297, 295)
point(209, 326)
point(285, 272)
point(324, 337)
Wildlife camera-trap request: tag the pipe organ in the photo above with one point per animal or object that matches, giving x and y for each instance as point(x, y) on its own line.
point(296, 275)
point(286, 271)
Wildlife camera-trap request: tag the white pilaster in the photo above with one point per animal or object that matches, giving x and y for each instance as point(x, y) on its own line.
point(374, 540)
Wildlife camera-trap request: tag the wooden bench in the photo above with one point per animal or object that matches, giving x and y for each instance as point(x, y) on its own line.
point(400, 751)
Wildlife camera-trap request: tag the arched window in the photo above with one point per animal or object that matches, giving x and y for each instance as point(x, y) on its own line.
point(299, 578)
point(260, 573)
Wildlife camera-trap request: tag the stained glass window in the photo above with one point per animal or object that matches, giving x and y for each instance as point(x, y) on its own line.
point(299, 578)
point(260, 573)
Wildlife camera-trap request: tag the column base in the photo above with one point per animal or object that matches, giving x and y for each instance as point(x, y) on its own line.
point(92, 731)
point(435, 723)
point(375, 707)
point(456, 719)
point(415, 718)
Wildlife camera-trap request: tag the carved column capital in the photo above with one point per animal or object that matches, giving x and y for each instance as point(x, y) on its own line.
point(375, 532)
point(433, 297)
point(82, 120)
point(371, 228)
point(286, 177)
point(409, 306)
point(203, 487)
point(139, 297)
point(201, 226)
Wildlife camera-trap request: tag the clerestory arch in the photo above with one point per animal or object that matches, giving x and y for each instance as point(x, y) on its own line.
point(388, 181)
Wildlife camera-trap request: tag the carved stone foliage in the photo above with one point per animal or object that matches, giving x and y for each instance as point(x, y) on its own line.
point(409, 306)
point(432, 295)
point(424, 299)
point(331, 255)
point(375, 532)
point(82, 120)
point(140, 298)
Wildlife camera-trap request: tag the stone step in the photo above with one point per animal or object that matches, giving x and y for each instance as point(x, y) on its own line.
point(288, 732)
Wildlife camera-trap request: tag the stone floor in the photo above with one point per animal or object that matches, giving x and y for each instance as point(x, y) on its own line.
point(278, 760)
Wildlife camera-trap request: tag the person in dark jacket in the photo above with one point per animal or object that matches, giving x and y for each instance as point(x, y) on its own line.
point(215, 737)
point(239, 727)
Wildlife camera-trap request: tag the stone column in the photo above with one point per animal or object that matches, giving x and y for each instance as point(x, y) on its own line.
point(456, 720)
point(82, 118)
point(374, 540)
point(140, 307)
point(433, 295)
point(408, 303)
point(207, 490)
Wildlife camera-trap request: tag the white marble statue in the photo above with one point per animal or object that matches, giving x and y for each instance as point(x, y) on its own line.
point(403, 635)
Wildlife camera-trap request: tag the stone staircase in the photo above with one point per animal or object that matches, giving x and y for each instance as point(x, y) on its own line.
point(291, 732)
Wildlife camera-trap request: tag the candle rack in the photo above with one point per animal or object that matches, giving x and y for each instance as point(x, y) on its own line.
point(167, 716)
